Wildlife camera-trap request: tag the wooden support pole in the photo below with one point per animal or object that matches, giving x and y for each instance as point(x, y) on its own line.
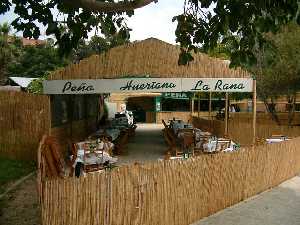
point(226, 114)
point(209, 107)
point(191, 110)
point(193, 105)
point(254, 112)
point(198, 104)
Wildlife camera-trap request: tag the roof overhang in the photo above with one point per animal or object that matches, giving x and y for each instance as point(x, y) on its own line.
point(22, 81)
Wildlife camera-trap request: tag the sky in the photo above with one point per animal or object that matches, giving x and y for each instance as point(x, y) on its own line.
point(154, 20)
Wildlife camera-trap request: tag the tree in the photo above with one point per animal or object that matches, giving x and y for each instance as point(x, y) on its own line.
point(9, 50)
point(75, 18)
point(197, 26)
point(278, 70)
point(97, 45)
point(243, 23)
point(36, 61)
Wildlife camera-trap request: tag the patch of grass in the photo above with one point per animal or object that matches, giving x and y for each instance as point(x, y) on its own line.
point(11, 170)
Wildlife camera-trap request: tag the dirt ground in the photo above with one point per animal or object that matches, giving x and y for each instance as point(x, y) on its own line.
point(20, 207)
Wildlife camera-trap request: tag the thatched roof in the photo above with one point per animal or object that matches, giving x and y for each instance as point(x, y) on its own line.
point(150, 57)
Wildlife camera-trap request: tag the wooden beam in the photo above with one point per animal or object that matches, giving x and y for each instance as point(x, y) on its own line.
point(198, 104)
point(193, 105)
point(209, 107)
point(254, 112)
point(226, 113)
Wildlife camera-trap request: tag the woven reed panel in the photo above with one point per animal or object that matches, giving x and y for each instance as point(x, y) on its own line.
point(169, 192)
point(240, 128)
point(148, 57)
point(24, 119)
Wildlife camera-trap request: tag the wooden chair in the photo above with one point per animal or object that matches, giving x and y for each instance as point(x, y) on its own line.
point(120, 143)
point(188, 143)
point(203, 140)
point(51, 162)
point(73, 151)
point(91, 167)
point(172, 142)
point(222, 144)
point(165, 125)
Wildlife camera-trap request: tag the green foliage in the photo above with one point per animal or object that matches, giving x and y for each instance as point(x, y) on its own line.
point(240, 23)
point(9, 50)
point(36, 86)
point(278, 70)
point(36, 61)
point(11, 170)
point(98, 45)
point(71, 25)
point(39, 61)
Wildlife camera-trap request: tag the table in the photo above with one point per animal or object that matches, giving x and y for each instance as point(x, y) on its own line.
point(212, 145)
point(98, 155)
point(276, 140)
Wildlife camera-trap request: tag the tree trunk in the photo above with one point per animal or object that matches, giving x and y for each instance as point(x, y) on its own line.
point(106, 7)
point(272, 110)
point(291, 109)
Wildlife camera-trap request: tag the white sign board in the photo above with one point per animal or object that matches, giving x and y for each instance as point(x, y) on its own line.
point(111, 86)
point(147, 85)
point(216, 85)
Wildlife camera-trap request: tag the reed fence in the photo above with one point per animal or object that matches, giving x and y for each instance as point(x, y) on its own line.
point(216, 127)
point(24, 119)
point(240, 128)
point(264, 117)
point(169, 192)
point(150, 57)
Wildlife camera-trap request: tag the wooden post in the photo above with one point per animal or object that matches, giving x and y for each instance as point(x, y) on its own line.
point(209, 107)
point(254, 112)
point(226, 114)
point(198, 104)
point(50, 116)
point(193, 106)
point(71, 122)
point(190, 106)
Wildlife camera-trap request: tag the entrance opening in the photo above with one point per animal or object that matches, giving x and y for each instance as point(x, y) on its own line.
point(139, 106)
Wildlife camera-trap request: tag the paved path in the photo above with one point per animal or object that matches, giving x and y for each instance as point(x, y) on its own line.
point(279, 206)
point(147, 145)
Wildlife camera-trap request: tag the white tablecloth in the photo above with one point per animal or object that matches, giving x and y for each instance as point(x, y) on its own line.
point(177, 125)
point(97, 157)
point(276, 140)
point(211, 146)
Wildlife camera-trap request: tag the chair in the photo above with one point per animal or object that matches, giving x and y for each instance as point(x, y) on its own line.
point(120, 143)
point(172, 142)
point(188, 144)
point(51, 163)
point(73, 151)
point(91, 167)
point(204, 139)
point(165, 125)
point(222, 144)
